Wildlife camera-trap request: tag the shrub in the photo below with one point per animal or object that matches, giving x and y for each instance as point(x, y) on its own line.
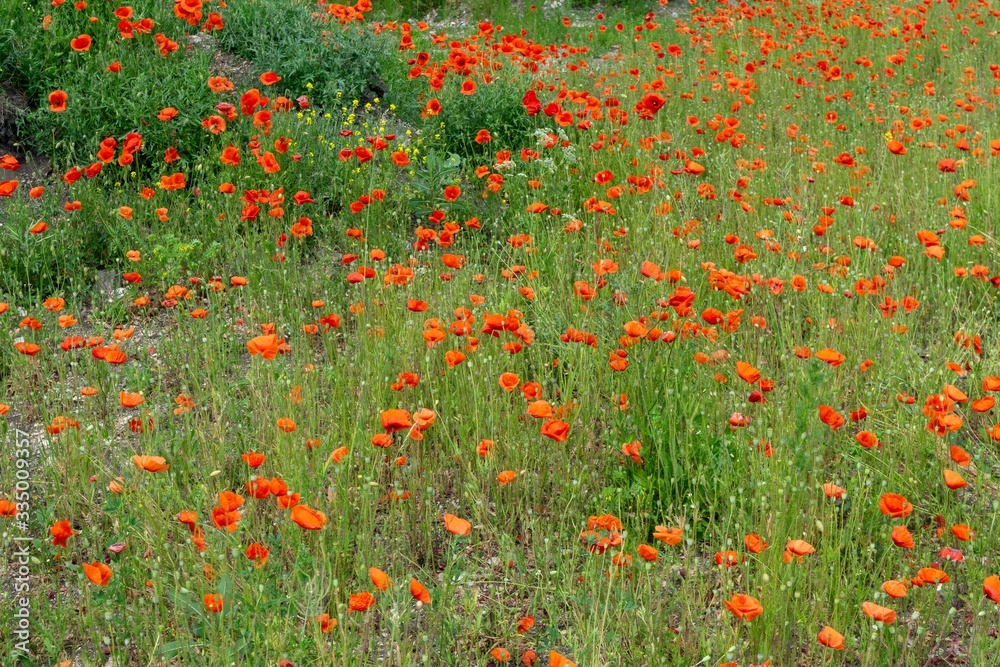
point(494, 106)
point(36, 58)
point(288, 38)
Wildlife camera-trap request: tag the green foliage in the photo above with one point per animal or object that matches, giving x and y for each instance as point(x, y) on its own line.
point(37, 60)
point(404, 9)
point(435, 174)
point(402, 92)
point(328, 62)
point(495, 106)
point(606, 5)
point(171, 256)
point(64, 258)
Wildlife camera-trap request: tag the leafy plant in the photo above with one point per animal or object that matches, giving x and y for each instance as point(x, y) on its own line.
point(330, 63)
point(495, 107)
point(36, 59)
point(436, 173)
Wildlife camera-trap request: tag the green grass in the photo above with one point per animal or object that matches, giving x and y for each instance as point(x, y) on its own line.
point(207, 401)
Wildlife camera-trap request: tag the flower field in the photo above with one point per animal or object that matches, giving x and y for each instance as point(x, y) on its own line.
point(485, 334)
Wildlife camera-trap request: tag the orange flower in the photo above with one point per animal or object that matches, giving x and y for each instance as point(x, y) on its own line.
point(213, 602)
point(984, 404)
point(867, 439)
point(954, 393)
point(99, 573)
point(54, 304)
point(747, 373)
point(559, 660)
point(27, 349)
point(648, 553)
point(484, 447)
point(253, 459)
point(379, 579)
point(962, 532)
point(540, 409)
point(423, 419)
point(877, 613)
point(894, 588)
point(754, 543)
point(57, 101)
point(150, 463)
point(230, 501)
point(953, 480)
point(744, 606)
point(128, 400)
point(831, 357)
point(230, 156)
point(257, 553)
point(506, 477)
point(457, 526)
point(632, 449)
point(269, 78)
point(307, 518)
point(419, 592)
point(432, 108)
point(932, 575)
point(991, 588)
point(830, 637)
point(360, 602)
point(800, 547)
point(555, 429)
point(81, 43)
point(902, 538)
point(269, 163)
point(265, 346)
point(831, 417)
point(177, 181)
point(326, 623)
point(188, 10)
point(509, 381)
point(188, 518)
point(894, 505)
point(60, 532)
point(671, 536)
point(395, 420)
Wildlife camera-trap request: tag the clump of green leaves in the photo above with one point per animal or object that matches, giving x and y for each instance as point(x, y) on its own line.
point(495, 106)
point(436, 174)
point(329, 62)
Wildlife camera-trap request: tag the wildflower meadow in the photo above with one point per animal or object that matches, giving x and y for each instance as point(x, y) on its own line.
point(434, 332)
